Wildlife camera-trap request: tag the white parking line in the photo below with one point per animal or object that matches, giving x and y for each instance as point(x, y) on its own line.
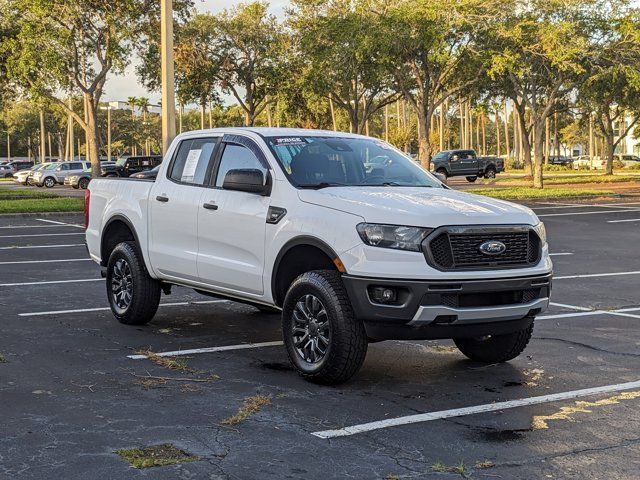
point(42, 246)
point(101, 309)
point(572, 307)
point(18, 262)
point(226, 348)
point(39, 226)
point(587, 313)
point(626, 220)
point(460, 412)
point(585, 205)
point(51, 282)
point(60, 223)
point(559, 254)
point(588, 213)
point(593, 275)
point(42, 235)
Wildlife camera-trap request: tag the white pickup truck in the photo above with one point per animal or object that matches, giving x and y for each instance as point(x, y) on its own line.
point(344, 234)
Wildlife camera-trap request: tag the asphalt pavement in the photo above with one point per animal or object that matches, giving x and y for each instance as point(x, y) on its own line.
point(71, 395)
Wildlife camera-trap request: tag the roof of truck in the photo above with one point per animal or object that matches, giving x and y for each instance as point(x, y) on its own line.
point(276, 132)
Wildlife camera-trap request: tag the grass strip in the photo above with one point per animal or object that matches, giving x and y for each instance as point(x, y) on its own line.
point(524, 193)
point(40, 205)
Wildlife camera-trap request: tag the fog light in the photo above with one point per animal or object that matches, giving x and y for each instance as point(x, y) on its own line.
point(383, 295)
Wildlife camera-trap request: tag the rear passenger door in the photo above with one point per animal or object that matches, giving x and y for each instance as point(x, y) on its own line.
point(232, 224)
point(470, 162)
point(174, 203)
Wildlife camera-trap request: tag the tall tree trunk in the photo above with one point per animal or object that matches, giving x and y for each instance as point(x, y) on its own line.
point(498, 132)
point(424, 146)
point(525, 142)
point(547, 134)
point(386, 122)
point(463, 134)
point(333, 113)
point(484, 133)
point(591, 146)
point(43, 147)
point(610, 149)
point(538, 151)
point(92, 135)
point(506, 130)
point(202, 112)
point(441, 125)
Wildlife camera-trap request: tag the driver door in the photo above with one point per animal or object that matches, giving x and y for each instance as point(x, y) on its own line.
point(232, 224)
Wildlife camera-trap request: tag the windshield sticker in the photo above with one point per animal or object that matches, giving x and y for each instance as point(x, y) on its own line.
point(190, 165)
point(284, 141)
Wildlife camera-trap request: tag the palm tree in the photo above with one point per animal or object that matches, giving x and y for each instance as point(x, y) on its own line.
point(133, 102)
point(143, 103)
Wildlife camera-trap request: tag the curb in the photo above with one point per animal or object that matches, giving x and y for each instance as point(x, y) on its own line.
point(39, 214)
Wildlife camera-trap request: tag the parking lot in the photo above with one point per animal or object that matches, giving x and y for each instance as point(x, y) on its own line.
point(72, 394)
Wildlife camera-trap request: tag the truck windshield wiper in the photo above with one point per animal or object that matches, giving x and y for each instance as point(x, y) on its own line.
point(318, 186)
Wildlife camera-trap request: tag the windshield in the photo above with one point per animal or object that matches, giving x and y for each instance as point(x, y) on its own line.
point(121, 161)
point(318, 162)
point(51, 166)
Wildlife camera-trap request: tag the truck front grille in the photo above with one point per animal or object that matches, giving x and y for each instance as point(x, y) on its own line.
point(458, 248)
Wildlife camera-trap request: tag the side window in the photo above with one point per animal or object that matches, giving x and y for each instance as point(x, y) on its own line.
point(192, 160)
point(64, 166)
point(234, 157)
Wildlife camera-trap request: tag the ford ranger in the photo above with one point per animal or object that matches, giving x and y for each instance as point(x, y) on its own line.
point(348, 238)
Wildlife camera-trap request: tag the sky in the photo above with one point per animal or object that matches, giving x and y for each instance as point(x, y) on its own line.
point(122, 86)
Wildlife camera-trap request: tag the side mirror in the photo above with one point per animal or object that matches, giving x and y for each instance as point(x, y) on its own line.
point(250, 180)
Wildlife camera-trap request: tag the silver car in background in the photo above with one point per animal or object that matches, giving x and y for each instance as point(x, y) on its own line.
point(57, 172)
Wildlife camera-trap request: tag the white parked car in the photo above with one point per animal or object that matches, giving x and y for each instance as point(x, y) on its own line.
point(292, 220)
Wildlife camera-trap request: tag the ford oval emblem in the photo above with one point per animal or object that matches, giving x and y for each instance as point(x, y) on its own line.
point(492, 247)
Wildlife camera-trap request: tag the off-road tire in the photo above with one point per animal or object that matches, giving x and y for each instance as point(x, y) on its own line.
point(145, 291)
point(490, 172)
point(471, 179)
point(495, 348)
point(347, 346)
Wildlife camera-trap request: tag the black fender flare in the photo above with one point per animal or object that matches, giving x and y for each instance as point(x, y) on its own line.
point(117, 218)
point(295, 242)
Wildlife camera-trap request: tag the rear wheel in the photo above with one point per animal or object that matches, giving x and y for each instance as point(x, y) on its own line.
point(471, 179)
point(495, 348)
point(324, 340)
point(83, 183)
point(490, 172)
point(133, 295)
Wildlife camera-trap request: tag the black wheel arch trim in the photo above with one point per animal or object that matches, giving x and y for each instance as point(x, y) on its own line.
point(119, 218)
point(295, 242)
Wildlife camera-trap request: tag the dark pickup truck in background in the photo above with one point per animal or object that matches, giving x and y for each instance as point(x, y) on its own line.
point(466, 163)
point(127, 166)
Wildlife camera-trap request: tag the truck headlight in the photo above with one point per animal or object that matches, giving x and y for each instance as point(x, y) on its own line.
point(541, 231)
point(392, 236)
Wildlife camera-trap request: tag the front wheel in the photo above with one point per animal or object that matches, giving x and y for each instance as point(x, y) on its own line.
point(495, 348)
point(49, 182)
point(133, 295)
point(83, 183)
point(325, 342)
point(471, 179)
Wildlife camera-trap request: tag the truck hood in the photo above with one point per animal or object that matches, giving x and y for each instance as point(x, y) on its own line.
point(416, 206)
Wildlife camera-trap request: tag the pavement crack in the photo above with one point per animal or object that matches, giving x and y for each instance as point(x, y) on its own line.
point(590, 347)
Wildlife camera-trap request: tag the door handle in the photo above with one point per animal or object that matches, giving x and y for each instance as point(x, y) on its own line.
point(162, 198)
point(210, 206)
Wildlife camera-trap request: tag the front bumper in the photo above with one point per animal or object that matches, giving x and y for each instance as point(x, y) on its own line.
point(448, 308)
